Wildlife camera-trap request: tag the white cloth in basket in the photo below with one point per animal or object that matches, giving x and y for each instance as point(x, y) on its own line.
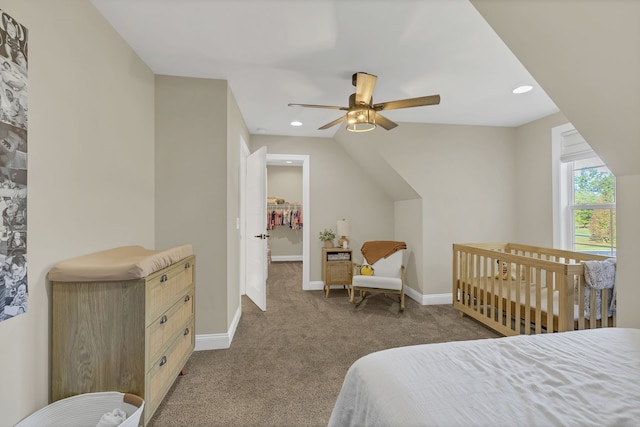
point(113, 418)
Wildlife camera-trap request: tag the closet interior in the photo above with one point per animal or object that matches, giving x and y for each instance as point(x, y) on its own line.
point(285, 217)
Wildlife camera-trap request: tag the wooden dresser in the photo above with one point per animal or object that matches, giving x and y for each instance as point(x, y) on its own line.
point(132, 336)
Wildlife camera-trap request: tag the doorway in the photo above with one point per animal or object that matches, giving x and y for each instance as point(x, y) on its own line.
point(296, 160)
point(274, 159)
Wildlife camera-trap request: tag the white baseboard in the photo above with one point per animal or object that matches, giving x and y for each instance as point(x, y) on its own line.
point(219, 341)
point(281, 258)
point(432, 299)
point(317, 285)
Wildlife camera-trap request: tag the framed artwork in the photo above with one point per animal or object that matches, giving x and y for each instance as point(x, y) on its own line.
point(14, 289)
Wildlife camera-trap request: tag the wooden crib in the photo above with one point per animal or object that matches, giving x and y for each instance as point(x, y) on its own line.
point(518, 302)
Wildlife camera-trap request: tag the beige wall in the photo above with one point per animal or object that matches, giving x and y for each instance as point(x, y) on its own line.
point(534, 198)
point(459, 172)
point(236, 132)
point(408, 216)
point(628, 229)
point(191, 181)
point(339, 188)
point(91, 170)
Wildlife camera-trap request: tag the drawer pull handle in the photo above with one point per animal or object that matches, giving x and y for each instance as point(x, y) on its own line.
point(163, 319)
point(186, 332)
point(187, 265)
point(163, 278)
point(163, 361)
point(187, 298)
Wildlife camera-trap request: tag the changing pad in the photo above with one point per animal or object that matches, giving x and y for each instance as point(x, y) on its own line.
point(122, 263)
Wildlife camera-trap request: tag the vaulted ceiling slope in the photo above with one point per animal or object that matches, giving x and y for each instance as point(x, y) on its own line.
point(586, 54)
point(275, 52)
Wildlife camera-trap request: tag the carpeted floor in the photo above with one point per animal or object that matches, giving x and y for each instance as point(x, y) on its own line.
point(285, 366)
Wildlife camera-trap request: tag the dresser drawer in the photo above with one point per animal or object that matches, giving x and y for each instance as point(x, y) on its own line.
point(167, 286)
point(171, 324)
point(166, 367)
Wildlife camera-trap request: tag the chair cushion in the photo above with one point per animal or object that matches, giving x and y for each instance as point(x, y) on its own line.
point(377, 282)
point(390, 266)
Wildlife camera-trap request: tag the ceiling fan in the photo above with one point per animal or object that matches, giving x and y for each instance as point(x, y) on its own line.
point(362, 115)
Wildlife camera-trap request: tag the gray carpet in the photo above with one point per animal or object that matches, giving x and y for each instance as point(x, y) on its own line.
point(285, 366)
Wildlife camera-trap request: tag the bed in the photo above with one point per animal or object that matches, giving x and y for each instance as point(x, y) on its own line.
point(521, 289)
point(577, 378)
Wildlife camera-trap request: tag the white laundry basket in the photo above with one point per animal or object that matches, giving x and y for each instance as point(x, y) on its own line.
point(85, 410)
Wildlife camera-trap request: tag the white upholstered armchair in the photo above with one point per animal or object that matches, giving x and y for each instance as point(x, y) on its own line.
point(388, 272)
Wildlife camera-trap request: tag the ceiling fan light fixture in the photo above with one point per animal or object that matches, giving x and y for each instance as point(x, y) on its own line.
point(361, 120)
point(362, 114)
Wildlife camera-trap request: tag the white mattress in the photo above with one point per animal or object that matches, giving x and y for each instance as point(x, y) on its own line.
point(578, 378)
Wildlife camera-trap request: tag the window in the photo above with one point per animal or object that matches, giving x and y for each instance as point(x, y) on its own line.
point(588, 198)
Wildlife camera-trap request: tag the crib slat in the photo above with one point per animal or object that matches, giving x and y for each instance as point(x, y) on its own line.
point(580, 303)
point(500, 296)
point(604, 307)
point(494, 288)
point(592, 309)
point(527, 301)
point(550, 293)
point(465, 278)
point(507, 299)
point(517, 316)
point(485, 284)
point(538, 312)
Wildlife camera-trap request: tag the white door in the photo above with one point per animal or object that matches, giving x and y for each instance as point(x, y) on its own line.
point(256, 237)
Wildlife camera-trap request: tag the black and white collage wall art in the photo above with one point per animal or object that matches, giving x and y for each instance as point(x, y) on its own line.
point(14, 289)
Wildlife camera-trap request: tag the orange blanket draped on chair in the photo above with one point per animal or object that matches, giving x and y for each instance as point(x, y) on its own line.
point(377, 249)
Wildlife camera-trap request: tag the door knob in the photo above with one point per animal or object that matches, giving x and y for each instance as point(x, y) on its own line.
point(262, 236)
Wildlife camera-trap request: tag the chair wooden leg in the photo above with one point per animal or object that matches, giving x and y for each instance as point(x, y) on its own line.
point(401, 301)
point(363, 295)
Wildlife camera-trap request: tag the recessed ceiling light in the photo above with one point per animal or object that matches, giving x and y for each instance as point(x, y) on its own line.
point(296, 123)
point(523, 89)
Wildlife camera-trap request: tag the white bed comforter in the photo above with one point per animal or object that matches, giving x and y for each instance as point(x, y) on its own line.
point(581, 378)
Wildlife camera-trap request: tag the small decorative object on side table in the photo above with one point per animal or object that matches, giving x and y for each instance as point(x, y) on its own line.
point(344, 231)
point(327, 236)
point(336, 269)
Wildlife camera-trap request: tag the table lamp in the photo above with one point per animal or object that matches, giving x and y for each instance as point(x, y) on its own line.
point(344, 230)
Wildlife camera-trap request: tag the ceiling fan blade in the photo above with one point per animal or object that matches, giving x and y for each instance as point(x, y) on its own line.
point(384, 122)
point(364, 88)
point(407, 103)
point(333, 123)
point(331, 107)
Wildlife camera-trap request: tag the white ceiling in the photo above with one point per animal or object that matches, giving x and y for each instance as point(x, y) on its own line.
point(275, 52)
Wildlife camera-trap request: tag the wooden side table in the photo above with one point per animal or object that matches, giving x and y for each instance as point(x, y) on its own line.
point(336, 269)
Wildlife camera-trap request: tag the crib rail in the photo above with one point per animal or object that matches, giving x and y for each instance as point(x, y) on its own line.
point(521, 289)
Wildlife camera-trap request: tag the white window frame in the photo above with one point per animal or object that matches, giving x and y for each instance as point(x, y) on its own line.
point(562, 179)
